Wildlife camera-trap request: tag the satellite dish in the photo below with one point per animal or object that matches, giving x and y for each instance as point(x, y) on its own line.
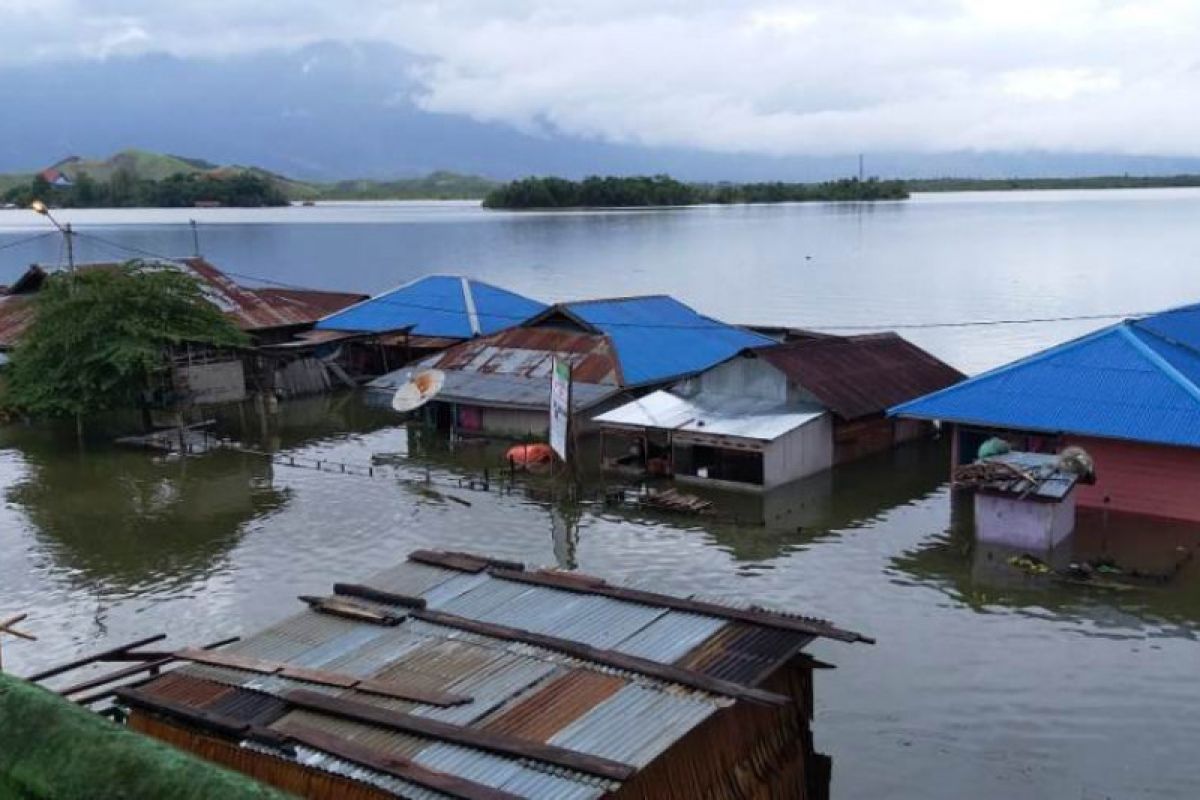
point(419, 389)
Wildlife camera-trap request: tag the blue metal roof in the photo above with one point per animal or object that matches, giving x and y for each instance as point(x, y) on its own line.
point(1124, 382)
point(437, 305)
point(658, 338)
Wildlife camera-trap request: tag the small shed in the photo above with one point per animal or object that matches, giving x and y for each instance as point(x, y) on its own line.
point(1023, 500)
point(455, 675)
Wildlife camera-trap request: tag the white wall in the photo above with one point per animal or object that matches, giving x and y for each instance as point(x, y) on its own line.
point(745, 377)
point(800, 452)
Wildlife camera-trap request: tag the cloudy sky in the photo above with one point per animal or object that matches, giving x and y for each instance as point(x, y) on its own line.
point(813, 78)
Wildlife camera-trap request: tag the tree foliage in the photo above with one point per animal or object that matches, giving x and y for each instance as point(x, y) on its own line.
point(663, 190)
point(125, 190)
point(99, 337)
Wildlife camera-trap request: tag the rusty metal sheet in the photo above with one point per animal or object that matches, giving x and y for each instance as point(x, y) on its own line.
point(744, 653)
point(527, 352)
point(559, 702)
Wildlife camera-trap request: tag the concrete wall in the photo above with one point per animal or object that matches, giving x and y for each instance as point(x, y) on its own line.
point(1026, 524)
point(218, 382)
point(1139, 478)
point(801, 452)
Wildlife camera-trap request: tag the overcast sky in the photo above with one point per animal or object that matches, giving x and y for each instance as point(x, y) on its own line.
point(765, 77)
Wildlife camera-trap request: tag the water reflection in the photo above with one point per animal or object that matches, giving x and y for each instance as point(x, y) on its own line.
point(1149, 570)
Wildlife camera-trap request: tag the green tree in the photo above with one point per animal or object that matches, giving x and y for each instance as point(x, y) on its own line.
point(99, 337)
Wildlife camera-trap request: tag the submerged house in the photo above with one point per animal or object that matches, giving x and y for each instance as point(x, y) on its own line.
point(423, 317)
point(1128, 394)
point(269, 316)
point(454, 675)
point(775, 414)
point(617, 348)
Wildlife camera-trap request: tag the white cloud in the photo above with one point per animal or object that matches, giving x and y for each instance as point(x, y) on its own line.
point(809, 76)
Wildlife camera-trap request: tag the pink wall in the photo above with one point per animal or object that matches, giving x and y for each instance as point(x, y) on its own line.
point(1142, 478)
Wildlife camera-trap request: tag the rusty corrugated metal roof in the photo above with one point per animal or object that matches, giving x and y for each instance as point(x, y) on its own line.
point(858, 376)
point(528, 352)
point(16, 315)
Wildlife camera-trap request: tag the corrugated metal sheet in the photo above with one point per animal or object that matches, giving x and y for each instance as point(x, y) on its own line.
point(16, 314)
point(437, 306)
point(502, 773)
point(670, 636)
point(857, 376)
point(499, 391)
point(743, 653)
point(635, 724)
point(657, 338)
point(715, 415)
point(1121, 382)
point(317, 759)
point(539, 715)
point(527, 353)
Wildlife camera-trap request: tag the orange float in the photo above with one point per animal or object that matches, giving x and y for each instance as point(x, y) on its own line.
point(529, 455)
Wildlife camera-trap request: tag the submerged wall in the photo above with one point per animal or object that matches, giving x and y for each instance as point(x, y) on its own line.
point(51, 749)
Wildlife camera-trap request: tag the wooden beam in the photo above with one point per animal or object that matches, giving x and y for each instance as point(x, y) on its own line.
point(351, 610)
point(609, 658)
point(395, 765)
point(101, 656)
point(378, 595)
point(464, 562)
point(120, 674)
point(490, 741)
point(432, 697)
point(571, 583)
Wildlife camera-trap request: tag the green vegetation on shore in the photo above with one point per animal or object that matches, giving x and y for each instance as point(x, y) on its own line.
point(663, 190)
point(439, 185)
point(1019, 184)
point(51, 749)
point(126, 190)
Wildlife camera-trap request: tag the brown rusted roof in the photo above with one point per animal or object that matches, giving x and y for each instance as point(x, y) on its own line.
point(857, 376)
point(527, 353)
point(250, 309)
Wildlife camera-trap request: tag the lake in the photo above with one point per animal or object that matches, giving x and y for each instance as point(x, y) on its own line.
point(986, 681)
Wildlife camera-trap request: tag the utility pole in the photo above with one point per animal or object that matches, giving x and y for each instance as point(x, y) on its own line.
point(860, 167)
point(195, 238)
point(70, 237)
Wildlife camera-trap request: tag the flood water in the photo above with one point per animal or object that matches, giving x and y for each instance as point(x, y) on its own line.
point(986, 681)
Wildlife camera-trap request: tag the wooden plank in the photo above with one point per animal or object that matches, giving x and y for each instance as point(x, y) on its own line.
point(325, 678)
point(103, 655)
point(464, 562)
point(459, 734)
point(120, 674)
point(769, 619)
point(432, 697)
point(378, 595)
point(610, 658)
point(349, 609)
point(395, 765)
point(232, 660)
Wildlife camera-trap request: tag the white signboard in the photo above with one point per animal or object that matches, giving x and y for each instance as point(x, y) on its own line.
point(560, 406)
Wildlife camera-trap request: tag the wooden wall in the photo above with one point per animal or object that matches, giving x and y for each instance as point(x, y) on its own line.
point(1139, 478)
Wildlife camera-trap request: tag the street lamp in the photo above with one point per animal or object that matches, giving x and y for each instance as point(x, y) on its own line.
point(39, 207)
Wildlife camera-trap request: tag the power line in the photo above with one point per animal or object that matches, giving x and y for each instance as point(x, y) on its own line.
point(714, 326)
point(27, 240)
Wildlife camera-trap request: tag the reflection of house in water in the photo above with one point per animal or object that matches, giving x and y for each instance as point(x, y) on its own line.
point(176, 518)
point(776, 414)
point(500, 384)
point(1128, 394)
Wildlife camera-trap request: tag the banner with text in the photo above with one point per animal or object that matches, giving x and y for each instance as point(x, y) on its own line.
point(560, 406)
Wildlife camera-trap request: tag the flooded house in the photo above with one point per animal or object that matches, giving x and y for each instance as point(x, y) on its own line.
point(1128, 394)
point(775, 414)
point(456, 675)
point(617, 348)
point(269, 316)
point(422, 317)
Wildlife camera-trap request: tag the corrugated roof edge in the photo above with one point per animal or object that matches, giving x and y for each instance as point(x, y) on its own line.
point(903, 410)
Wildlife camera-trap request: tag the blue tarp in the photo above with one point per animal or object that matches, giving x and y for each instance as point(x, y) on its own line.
point(437, 305)
point(1125, 382)
point(658, 338)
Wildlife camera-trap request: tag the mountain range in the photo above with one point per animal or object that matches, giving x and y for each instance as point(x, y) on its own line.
point(334, 111)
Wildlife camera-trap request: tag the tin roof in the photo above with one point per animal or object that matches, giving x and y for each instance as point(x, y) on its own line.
point(250, 309)
point(571, 685)
point(511, 369)
point(1138, 380)
point(717, 415)
point(857, 376)
point(656, 338)
point(439, 306)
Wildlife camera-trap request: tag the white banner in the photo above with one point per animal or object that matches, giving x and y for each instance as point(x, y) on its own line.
point(560, 406)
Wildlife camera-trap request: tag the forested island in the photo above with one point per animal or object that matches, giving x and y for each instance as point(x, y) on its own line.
point(1019, 184)
point(125, 190)
point(663, 190)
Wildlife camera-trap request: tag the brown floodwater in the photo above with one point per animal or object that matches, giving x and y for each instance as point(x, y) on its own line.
point(986, 682)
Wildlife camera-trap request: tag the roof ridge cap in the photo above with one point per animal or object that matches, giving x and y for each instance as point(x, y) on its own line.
point(1147, 352)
